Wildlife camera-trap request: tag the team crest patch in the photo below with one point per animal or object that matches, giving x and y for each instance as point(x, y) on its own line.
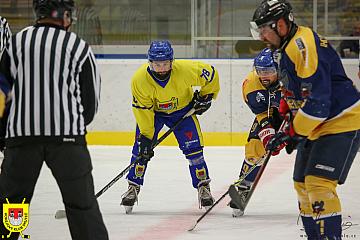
point(139, 170)
point(15, 218)
point(168, 105)
point(201, 174)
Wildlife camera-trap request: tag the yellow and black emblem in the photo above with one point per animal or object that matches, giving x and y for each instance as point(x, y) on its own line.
point(16, 218)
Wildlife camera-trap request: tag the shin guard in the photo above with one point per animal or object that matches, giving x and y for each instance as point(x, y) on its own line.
point(306, 211)
point(326, 206)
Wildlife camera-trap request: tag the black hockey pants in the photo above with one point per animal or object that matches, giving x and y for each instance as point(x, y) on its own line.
point(70, 164)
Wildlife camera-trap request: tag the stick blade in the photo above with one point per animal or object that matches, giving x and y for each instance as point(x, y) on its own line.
point(60, 214)
point(236, 198)
point(193, 227)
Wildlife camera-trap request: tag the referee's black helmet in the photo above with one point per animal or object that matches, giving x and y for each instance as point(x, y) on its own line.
point(53, 8)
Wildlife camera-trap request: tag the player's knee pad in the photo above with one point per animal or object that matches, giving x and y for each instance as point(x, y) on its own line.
point(254, 149)
point(247, 165)
point(195, 156)
point(319, 207)
point(326, 206)
point(323, 197)
point(303, 199)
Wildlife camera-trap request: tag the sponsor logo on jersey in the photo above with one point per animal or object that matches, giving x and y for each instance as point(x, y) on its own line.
point(168, 105)
point(189, 143)
point(260, 97)
point(301, 46)
point(15, 218)
point(254, 126)
point(189, 135)
point(324, 167)
point(201, 173)
point(68, 139)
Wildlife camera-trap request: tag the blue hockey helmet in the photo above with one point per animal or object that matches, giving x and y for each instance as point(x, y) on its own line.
point(265, 64)
point(160, 51)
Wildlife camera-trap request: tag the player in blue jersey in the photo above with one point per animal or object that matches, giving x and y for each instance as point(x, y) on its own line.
point(162, 94)
point(323, 109)
point(262, 94)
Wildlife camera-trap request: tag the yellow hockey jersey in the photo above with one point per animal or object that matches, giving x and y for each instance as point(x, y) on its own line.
point(150, 97)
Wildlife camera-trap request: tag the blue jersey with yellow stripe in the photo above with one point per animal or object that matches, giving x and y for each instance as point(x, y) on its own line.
point(259, 99)
point(316, 85)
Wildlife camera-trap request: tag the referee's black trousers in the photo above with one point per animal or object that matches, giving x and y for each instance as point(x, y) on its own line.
point(71, 166)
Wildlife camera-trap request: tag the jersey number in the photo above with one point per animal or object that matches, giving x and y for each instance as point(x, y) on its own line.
point(205, 74)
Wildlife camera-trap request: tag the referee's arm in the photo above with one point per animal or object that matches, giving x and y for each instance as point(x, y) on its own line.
point(88, 90)
point(5, 69)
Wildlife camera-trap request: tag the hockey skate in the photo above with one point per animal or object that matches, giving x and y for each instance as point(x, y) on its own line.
point(204, 196)
point(130, 197)
point(239, 194)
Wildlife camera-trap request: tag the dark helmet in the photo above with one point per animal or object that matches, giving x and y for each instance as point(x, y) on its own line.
point(53, 8)
point(160, 51)
point(272, 10)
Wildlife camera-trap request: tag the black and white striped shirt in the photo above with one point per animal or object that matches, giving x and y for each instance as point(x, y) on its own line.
point(55, 83)
point(5, 33)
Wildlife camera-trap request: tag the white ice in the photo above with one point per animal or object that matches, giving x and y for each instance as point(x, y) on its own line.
point(168, 204)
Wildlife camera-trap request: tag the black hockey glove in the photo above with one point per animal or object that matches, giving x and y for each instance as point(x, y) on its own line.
point(145, 148)
point(285, 136)
point(201, 103)
point(2, 144)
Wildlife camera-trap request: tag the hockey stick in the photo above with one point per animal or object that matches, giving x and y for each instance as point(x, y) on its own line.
point(62, 214)
point(226, 193)
point(235, 196)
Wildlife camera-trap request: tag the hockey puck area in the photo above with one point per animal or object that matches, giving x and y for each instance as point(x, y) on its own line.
point(60, 214)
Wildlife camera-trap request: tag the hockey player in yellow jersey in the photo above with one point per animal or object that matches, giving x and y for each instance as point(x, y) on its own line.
point(162, 94)
point(322, 107)
point(262, 95)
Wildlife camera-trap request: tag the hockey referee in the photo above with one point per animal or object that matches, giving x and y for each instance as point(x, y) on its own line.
point(55, 89)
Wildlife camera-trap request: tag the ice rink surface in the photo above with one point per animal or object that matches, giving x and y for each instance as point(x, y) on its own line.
point(168, 203)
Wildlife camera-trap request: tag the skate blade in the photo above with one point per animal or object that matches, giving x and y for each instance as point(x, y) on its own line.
point(128, 209)
point(207, 207)
point(237, 213)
